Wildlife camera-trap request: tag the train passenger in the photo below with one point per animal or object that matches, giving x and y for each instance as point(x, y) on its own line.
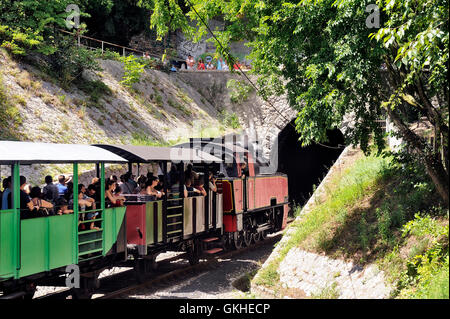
point(127, 188)
point(62, 206)
point(244, 169)
point(26, 206)
point(141, 185)
point(96, 186)
point(27, 188)
point(62, 187)
point(69, 193)
point(175, 187)
point(160, 185)
point(173, 171)
point(114, 178)
point(42, 207)
point(6, 191)
point(189, 188)
point(110, 198)
point(92, 193)
point(212, 182)
point(150, 187)
point(83, 199)
point(200, 186)
point(118, 192)
point(130, 179)
point(50, 191)
point(190, 174)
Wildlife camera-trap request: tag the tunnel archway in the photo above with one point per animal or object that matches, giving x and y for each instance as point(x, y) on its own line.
point(306, 166)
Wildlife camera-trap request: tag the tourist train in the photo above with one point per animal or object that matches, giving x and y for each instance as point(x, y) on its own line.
point(233, 205)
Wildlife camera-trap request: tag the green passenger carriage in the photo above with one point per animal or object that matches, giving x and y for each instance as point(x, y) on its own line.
point(39, 249)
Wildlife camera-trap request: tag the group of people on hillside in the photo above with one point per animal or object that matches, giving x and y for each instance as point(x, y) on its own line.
point(220, 65)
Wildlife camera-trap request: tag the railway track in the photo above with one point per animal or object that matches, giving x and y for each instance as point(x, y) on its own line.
point(173, 275)
point(122, 284)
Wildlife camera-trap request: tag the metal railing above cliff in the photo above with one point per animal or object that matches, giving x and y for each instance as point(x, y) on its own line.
point(97, 44)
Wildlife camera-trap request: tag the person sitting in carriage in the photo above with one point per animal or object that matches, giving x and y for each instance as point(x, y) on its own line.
point(41, 206)
point(26, 206)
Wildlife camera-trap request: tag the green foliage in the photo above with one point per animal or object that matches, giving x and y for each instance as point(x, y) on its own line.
point(239, 91)
point(108, 55)
point(24, 25)
point(179, 107)
point(228, 119)
point(10, 118)
point(139, 138)
point(95, 90)
point(68, 61)
point(328, 292)
point(348, 190)
point(426, 274)
point(133, 70)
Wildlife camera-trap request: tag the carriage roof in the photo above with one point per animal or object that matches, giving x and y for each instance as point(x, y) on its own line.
point(35, 153)
point(142, 154)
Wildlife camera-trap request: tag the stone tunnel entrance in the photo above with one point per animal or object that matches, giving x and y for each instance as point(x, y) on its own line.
point(305, 166)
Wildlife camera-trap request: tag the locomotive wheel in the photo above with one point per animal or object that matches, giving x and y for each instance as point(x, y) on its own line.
point(151, 264)
point(248, 238)
point(194, 253)
point(88, 285)
point(263, 235)
point(238, 240)
point(140, 269)
point(257, 236)
point(81, 293)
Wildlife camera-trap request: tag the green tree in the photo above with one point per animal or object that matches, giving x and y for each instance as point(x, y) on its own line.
point(24, 24)
point(329, 62)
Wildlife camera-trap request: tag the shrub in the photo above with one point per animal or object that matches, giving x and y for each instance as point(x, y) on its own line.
point(426, 274)
point(95, 90)
point(229, 119)
point(68, 61)
point(239, 91)
point(133, 70)
point(10, 118)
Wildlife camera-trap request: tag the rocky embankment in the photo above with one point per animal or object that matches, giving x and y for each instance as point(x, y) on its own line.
point(305, 274)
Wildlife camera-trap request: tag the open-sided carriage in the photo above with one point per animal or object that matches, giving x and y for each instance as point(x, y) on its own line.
point(37, 250)
point(174, 222)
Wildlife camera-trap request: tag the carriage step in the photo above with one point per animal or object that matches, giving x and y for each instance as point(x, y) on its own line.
point(213, 251)
point(208, 240)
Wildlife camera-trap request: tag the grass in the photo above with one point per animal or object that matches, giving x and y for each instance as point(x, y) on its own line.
point(179, 107)
point(229, 119)
point(368, 215)
point(95, 90)
point(138, 138)
point(328, 292)
point(10, 119)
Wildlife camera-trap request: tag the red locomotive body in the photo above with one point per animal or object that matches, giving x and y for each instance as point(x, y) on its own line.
point(253, 205)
